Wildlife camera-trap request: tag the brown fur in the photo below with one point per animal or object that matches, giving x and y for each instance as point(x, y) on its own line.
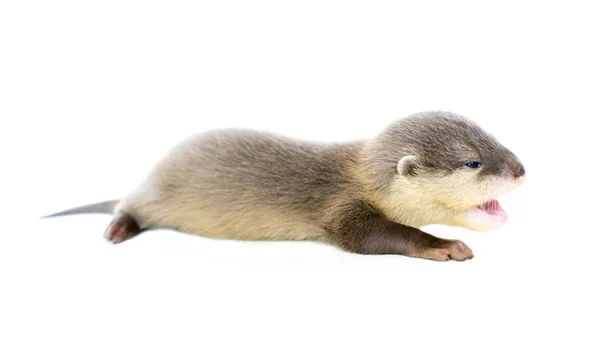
point(121, 228)
point(361, 196)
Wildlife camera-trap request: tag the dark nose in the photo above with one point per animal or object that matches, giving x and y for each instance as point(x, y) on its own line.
point(518, 170)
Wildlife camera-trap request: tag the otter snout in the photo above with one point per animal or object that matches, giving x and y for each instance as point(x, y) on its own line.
point(518, 171)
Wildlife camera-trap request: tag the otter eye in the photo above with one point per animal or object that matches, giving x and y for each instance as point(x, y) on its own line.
point(473, 164)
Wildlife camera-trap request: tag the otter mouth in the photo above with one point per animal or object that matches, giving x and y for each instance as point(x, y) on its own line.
point(493, 209)
point(486, 216)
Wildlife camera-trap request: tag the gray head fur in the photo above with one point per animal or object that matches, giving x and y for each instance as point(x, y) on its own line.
point(440, 143)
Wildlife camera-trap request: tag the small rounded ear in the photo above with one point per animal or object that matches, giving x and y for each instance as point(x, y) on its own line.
point(407, 165)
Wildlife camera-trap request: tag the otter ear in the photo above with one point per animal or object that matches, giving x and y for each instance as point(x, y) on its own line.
point(407, 165)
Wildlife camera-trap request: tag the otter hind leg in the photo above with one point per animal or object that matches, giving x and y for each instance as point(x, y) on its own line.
point(122, 228)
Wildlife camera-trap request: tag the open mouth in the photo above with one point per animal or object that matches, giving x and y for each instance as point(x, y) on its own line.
point(486, 216)
point(493, 209)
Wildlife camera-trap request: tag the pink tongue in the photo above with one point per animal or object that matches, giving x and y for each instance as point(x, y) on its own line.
point(492, 207)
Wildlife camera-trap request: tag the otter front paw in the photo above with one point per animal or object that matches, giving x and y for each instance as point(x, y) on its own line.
point(449, 250)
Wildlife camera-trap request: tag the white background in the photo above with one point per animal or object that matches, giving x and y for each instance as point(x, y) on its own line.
point(93, 93)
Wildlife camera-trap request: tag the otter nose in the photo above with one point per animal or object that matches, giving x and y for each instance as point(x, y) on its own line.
point(518, 170)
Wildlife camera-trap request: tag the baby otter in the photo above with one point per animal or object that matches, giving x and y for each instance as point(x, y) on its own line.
point(367, 197)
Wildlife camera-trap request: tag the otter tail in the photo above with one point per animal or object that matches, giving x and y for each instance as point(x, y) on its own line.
point(100, 207)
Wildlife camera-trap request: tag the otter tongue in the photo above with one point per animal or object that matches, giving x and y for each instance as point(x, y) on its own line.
point(492, 207)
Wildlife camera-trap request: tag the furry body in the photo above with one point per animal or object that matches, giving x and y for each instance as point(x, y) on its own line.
point(365, 196)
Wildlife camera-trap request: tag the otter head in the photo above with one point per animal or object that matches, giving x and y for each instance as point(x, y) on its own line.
point(439, 167)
